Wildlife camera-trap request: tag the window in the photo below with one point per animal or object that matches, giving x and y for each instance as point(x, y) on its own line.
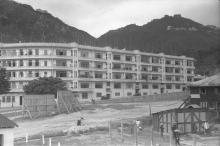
point(128, 76)
point(84, 95)
point(30, 63)
point(21, 52)
point(177, 70)
point(84, 85)
point(177, 86)
point(98, 75)
point(145, 59)
point(169, 70)
point(129, 94)
point(84, 64)
point(168, 62)
point(108, 83)
point(144, 86)
point(145, 93)
point(8, 99)
point(13, 74)
point(155, 69)
point(84, 54)
point(116, 57)
point(116, 66)
point(128, 58)
point(202, 91)
point(29, 73)
point(155, 60)
point(98, 85)
point(3, 98)
point(116, 76)
point(117, 85)
point(129, 85)
point(98, 55)
point(45, 52)
point(155, 77)
point(13, 98)
point(21, 63)
point(177, 62)
point(36, 74)
point(21, 74)
point(117, 93)
point(30, 52)
point(168, 86)
point(13, 63)
point(155, 86)
point(189, 79)
point(61, 63)
point(36, 52)
point(189, 63)
point(61, 52)
point(45, 63)
point(45, 74)
point(98, 94)
point(37, 63)
point(169, 78)
point(61, 74)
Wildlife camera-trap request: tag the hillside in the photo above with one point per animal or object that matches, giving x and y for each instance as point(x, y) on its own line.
point(173, 35)
point(20, 22)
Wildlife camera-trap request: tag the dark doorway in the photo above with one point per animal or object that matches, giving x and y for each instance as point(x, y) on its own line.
point(21, 102)
point(161, 90)
point(1, 140)
point(108, 96)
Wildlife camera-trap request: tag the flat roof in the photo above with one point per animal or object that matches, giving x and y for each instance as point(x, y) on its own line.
point(75, 45)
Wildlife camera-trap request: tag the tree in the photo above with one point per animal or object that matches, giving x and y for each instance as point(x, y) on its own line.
point(4, 81)
point(45, 85)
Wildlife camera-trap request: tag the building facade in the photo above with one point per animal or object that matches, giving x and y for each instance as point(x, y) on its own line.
point(206, 92)
point(96, 71)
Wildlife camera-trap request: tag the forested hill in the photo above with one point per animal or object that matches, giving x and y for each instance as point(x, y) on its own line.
point(173, 35)
point(20, 22)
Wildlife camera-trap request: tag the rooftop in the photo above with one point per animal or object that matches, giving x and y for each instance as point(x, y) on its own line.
point(209, 81)
point(6, 123)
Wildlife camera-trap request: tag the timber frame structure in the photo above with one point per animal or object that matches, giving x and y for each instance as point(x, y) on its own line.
point(188, 120)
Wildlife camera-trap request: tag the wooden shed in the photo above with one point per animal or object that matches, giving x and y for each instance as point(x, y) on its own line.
point(189, 120)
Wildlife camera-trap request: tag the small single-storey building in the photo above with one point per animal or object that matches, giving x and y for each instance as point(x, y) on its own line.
point(11, 100)
point(6, 131)
point(206, 92)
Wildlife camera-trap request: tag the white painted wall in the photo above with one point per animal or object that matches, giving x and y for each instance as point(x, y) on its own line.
point(8, 136)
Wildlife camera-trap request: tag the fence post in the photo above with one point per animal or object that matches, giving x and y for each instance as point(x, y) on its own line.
point(170, 138)
point(109, 129)
point(122, 131)
point(58, 144)
point(26, 138)
point(43, 141)
point(150, 109)
point(136, 134)
point(49, 141)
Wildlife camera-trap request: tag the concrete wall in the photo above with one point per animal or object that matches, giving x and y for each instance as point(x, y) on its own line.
point(8, 136)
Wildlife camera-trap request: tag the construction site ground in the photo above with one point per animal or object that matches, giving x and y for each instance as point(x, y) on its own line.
point(95, 129)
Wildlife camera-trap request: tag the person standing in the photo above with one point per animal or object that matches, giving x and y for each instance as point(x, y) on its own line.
point(161, 130)
point(206, 127)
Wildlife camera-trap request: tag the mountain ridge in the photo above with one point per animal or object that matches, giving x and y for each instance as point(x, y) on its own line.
point(173, 35)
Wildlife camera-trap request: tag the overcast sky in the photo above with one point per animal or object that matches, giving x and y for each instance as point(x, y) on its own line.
point(99, 16)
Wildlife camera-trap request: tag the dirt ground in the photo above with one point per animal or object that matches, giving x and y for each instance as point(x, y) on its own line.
point(96, 117)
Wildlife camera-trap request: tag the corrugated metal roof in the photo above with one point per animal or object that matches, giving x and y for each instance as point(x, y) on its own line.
point(209, 81)
point(6, 123)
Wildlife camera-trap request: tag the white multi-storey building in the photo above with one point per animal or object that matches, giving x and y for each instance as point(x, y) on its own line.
point(96, 71)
